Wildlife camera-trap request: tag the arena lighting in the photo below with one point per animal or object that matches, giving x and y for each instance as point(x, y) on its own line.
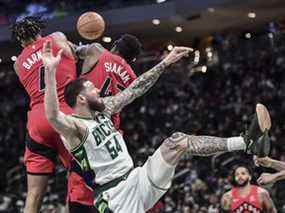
point(13, 58)
point(160, 1)
point(170, 47)
point(209, 54)
point(248, 35)
point(178, 29)
point(156, 21)
point(208, 49)
point(251, 15)
point(204, 69)
point(211, 9)
point(0, 60)
point(270, 35)
point(107, 39)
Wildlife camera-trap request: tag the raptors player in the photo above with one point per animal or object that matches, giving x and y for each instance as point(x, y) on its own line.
point(110, 72)
point(245, 197)
point(43, 145)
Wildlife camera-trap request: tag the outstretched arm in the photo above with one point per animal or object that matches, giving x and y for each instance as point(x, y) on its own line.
point(267, 178)
point(143, 83)
point(61, 122)
point(271, 163)
point(83, 51)
point(90, 53)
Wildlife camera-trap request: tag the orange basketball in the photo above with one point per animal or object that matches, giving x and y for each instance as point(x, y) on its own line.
point(90, 25)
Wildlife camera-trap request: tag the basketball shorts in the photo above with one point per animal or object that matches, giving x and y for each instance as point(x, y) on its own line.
point(142, 189)
point(43, 144)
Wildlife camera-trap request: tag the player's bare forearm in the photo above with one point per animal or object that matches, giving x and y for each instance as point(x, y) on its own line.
point(57, 119)
point(277, 165)
point(51, 99)
point(136, 89)
point(280, 175)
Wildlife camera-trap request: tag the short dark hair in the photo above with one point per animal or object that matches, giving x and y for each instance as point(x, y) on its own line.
point(242, 165)
point(27, 28)
point(128, 46)
point(72, 90)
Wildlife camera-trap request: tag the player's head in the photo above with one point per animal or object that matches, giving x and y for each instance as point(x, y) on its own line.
point(128, 47)
point(241, 175)
point(27, 29)
point(83, 93)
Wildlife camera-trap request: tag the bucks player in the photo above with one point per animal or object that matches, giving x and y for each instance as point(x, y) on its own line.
point(101, 150)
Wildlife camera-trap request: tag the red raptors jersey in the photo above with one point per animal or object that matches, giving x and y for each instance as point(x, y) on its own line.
point(31, 71)
point(250, 203)
point(111, 75)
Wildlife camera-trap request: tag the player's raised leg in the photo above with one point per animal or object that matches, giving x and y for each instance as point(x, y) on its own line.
point(161, 165)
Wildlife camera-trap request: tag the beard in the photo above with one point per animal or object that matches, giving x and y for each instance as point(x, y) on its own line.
point(244, 183)
point(95, 104)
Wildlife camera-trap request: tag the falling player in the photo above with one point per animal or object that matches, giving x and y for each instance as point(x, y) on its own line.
point(245, 197)
point(110, 72)
point(100, 149)
point(44, 143)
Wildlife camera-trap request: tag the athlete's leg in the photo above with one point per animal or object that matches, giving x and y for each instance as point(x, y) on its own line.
point(37, 185)
point(160, 167)
point(39, 161)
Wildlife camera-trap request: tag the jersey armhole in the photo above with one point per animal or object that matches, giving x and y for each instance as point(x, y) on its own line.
point(83, 140)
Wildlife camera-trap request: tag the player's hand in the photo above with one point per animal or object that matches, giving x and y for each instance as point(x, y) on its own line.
point(265, 162)
point(49, 61)
point(266, 178)
point(176, 54)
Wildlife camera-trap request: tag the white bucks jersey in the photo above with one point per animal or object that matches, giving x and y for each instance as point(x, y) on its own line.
point(103, 151)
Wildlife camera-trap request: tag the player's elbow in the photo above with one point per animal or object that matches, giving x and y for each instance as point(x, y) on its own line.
point(51, 115)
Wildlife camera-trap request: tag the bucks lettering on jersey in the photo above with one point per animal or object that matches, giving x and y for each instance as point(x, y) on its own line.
point(103, 151)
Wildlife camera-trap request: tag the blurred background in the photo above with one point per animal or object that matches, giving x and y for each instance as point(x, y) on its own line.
point(238, 61)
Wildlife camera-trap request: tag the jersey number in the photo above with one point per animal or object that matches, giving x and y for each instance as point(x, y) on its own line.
point(42, 84)
point(113, 146)
point(105, 88)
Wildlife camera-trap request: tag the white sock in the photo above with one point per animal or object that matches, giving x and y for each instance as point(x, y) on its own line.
point(236, 143)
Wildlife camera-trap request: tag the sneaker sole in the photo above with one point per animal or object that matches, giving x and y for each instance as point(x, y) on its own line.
point(263, 117)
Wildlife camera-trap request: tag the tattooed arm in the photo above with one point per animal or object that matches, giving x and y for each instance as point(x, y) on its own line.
point(143, 83)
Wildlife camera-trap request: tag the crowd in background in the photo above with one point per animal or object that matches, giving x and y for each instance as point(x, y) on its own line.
point(217, 102)
point(12, 9)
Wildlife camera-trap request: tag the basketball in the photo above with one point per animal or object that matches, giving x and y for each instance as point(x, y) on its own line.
point(90, 25)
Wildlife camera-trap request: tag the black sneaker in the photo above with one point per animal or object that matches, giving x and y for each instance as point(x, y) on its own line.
point(256, 137)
